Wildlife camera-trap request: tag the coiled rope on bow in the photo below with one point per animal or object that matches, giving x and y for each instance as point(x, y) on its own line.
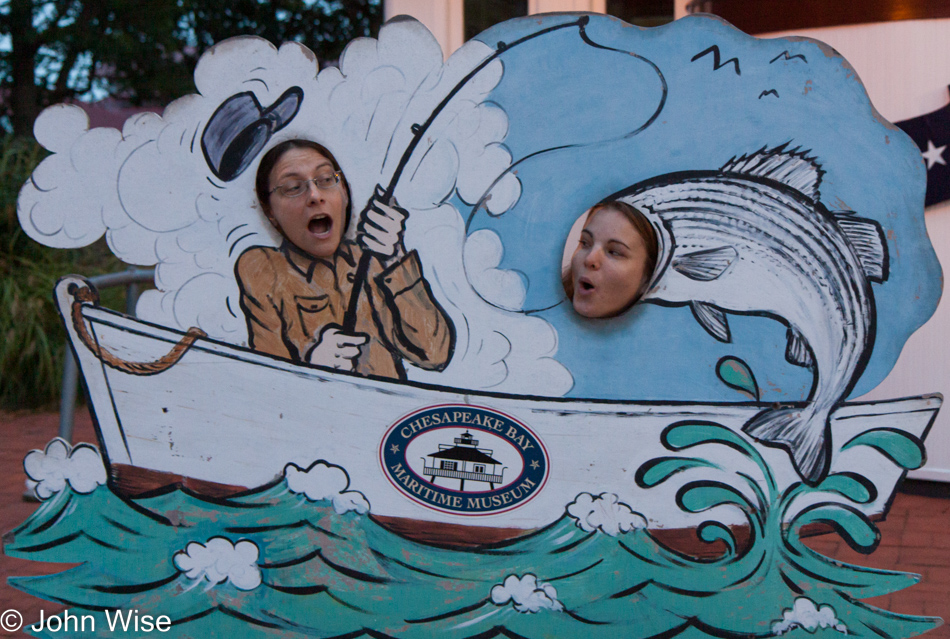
point(87, 295)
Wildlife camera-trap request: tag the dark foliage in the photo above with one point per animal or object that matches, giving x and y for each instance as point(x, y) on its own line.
point(145, 52)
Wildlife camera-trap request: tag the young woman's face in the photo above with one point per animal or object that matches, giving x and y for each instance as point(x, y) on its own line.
point(313, 221)
point(608, 267)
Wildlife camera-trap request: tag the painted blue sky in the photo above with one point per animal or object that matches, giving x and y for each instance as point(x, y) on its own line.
point(576, 109)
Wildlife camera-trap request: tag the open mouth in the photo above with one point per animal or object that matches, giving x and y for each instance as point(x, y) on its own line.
point(585, 285)
point(320, 225)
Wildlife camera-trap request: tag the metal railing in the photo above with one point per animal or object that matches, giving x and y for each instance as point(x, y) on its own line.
point(130, 278)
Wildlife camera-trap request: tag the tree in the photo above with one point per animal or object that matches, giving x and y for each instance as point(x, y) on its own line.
point(144, 52)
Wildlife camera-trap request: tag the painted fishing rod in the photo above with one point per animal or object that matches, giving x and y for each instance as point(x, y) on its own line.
point(419, 130)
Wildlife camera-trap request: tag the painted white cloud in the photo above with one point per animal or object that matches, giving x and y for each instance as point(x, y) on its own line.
point(526, 594)
point(220, 560)
point(149, 189)
point(496, 348)
point(60, 463)
point(503, 288)
point(326, 481)
point(805, 614)
point(604, 512)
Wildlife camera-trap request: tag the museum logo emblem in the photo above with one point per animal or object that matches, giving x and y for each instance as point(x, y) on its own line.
point(469, 460)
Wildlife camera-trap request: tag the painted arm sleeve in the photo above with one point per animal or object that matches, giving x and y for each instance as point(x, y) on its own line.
point(414, 323)
point(263, 307)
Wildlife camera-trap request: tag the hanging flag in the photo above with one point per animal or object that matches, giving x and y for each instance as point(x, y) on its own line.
point(931, 133)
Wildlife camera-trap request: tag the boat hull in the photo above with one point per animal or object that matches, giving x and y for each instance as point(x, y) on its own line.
point(224, 418)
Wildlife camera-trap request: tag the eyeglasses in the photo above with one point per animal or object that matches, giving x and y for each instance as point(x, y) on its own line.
point(296, 188)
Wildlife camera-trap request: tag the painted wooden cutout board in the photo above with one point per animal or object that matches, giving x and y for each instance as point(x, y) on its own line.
point(649, 474)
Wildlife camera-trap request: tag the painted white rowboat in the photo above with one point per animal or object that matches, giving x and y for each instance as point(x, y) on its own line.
point(223, 418)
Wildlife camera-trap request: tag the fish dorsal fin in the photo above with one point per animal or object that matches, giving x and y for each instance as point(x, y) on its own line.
point(792, 168)
point(705, 265)
point(712, 319)
point(797, 351)
point(867, 239)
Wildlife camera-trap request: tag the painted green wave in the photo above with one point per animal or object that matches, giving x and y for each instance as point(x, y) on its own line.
point(323, 574)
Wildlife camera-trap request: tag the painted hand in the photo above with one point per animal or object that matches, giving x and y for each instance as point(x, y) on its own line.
point(381, 227)
point(336, 349)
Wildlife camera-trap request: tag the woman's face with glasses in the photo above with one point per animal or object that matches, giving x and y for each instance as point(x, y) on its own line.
point(307, 201)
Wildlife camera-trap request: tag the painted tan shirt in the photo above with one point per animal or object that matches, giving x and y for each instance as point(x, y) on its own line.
point(289, 297)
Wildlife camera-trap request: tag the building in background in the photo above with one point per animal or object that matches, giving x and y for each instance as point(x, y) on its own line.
point(453, 22)
point(764, 16)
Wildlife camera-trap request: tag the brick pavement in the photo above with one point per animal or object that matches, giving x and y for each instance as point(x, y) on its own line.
point(915, 538)
point(22, 432)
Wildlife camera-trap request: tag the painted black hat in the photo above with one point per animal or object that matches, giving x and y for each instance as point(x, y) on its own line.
point(240, 128)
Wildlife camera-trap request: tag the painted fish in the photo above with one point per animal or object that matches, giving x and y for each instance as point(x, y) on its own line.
point(753, 238)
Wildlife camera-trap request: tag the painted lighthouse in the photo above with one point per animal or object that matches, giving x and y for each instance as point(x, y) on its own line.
point(464, 460)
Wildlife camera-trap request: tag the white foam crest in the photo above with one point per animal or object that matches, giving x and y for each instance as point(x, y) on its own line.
point(526, 594)
point(326, 481)
point(81, 466)
point(220, 560)
point(604, 512)
point(805, 614)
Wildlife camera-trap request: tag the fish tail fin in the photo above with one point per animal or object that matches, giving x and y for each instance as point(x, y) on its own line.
point(801, 432)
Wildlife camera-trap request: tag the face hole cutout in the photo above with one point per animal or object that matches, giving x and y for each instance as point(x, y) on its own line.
point(608, 260)
point(573, 237)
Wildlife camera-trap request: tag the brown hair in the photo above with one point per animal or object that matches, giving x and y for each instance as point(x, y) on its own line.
point(262, 183)
point(641, 225)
